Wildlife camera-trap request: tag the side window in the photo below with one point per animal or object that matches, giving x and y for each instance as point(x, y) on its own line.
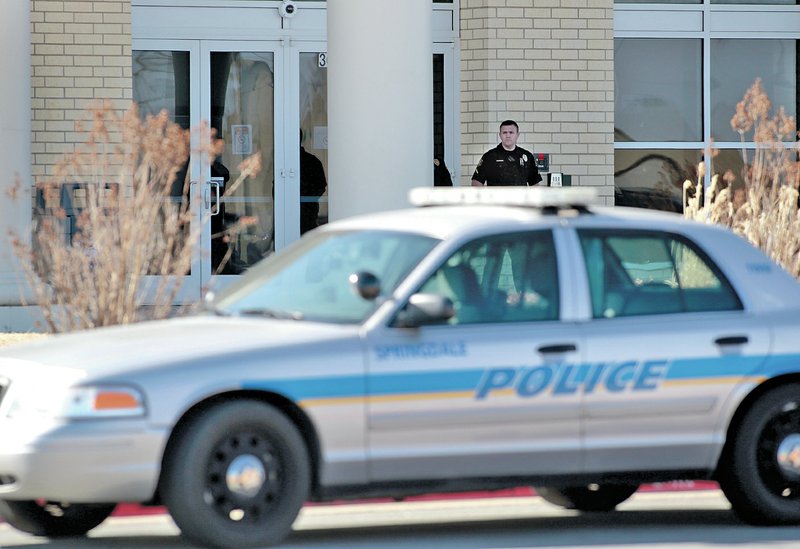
point(632, 273)
point(507, 278)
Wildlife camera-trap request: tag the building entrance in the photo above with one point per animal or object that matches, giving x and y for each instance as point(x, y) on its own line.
point(265, 100)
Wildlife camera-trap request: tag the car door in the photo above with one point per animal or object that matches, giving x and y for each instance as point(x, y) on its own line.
point(478, 395)
point(667, 344)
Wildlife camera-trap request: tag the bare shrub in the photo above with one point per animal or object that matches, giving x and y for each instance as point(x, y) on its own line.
point(115, 231)
point(761, 203)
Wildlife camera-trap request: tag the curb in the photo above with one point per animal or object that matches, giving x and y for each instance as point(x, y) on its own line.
point(133, 509)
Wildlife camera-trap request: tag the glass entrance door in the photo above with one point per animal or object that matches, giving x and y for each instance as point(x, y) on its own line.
point(270, 100)
point(310, 63)
point(242, 85)
point(165, 78)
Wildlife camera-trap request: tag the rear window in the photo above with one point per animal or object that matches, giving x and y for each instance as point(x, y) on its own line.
point(634, 273)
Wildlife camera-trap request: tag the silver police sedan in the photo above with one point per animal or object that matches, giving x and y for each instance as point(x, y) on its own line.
point(486, 338)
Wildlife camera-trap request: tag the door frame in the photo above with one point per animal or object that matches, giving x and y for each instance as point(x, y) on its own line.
point(452, 137)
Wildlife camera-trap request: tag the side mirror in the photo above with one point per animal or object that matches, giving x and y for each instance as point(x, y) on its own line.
point(365, 284)
point(423, 309)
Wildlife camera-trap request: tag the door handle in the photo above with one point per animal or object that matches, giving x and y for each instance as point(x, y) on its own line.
point(213, 207)
point(557, 348)
point(731, 340)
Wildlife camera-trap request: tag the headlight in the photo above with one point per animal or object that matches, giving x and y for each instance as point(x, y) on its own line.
point(80, 402)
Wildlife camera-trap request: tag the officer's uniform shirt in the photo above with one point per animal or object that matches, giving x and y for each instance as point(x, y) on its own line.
point(501, 167)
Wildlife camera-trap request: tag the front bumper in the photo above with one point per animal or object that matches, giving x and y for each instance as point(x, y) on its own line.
point(107, 460)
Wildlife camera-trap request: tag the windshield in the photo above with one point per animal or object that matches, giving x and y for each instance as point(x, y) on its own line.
point(309, 280)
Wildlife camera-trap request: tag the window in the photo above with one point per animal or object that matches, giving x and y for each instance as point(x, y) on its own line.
point(735, 65)
point(310, 280)
point(161, 82)
point(658, 89)
point(507, 278)
point(681, 67)
point(634, 273)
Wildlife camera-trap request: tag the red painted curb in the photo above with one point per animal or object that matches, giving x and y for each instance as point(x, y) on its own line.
point(133, 509)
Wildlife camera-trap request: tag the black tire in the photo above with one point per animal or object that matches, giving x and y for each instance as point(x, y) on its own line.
point(52, 519)
point(591, 498)
point(760, 488)
point(274, 476)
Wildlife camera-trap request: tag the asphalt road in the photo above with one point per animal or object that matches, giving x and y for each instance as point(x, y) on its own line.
point(686, 520)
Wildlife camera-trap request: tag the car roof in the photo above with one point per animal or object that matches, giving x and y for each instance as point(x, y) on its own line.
point(466, 214)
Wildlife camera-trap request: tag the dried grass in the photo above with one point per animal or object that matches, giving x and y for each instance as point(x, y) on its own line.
point(760, 204)
point(12, 338)
point(134, 233)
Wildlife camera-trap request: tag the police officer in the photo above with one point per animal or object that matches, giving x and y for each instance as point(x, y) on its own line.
point(507, 164)
point(312, 185)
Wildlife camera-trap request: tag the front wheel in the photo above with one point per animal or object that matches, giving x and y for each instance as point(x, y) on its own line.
point(591, 498)
point(54, 519)
point(760, 469)
point(236, 476)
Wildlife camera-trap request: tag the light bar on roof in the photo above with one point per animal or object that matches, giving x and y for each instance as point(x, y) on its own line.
point(536, 197)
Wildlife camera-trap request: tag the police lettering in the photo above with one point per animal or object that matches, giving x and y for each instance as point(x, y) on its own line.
point(566, 379)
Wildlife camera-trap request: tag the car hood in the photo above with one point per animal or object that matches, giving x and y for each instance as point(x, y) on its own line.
point(105, 351)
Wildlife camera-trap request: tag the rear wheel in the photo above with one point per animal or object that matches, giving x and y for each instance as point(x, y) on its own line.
point(54, 519)
point(593, 497)
point(760, 468)
point(237, 476)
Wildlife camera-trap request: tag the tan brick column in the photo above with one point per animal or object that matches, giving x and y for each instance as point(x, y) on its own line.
point(81, 54)
point(548, 64)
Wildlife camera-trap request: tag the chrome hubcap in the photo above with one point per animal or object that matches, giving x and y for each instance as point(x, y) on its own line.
point(789, 455)
point(245, 475)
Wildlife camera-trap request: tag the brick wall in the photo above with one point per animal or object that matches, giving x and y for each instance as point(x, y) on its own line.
point(81, 55)
point(548, 64)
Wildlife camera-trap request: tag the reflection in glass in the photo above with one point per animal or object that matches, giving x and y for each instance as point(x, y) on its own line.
point(653, 178)
point(735, 65)
point(729, 160)
point(242, 99)
point(657, 89)
point(313, 142)
point(161, 83)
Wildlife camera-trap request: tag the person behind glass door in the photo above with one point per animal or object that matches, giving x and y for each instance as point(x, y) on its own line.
point(441, 175)
point(312, 186)
point(507, 164)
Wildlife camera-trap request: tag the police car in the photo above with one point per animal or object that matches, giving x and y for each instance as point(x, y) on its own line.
point(486, 338)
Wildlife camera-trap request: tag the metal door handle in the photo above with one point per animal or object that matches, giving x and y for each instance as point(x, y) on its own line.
point(215, 185)
point(558, 348)
point(731, 340)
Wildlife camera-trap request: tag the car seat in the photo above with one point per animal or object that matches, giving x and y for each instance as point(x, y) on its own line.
point(462, 286)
